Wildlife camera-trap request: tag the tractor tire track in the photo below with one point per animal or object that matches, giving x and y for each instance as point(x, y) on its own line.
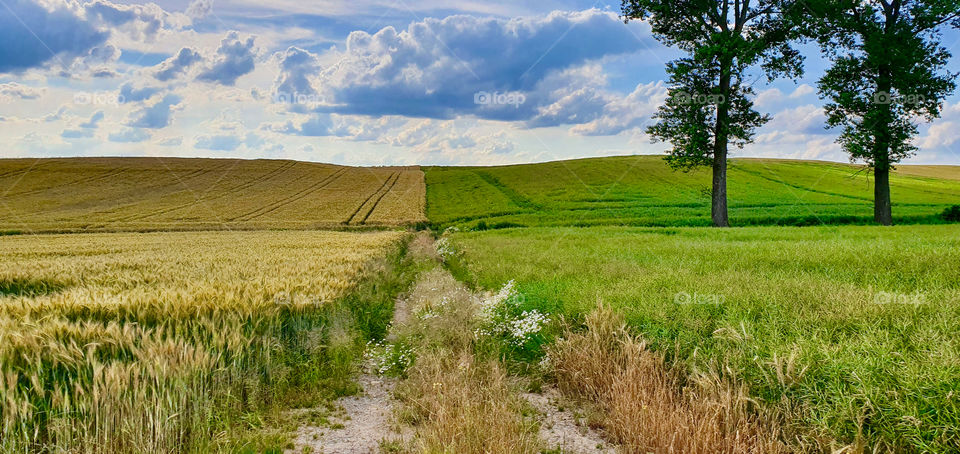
point(377, 202)
point(13, 173)
point(292, 198)
point(93, 179)
point(802, 188)
point(126, 195)
point(268, 176)
point(357, 211)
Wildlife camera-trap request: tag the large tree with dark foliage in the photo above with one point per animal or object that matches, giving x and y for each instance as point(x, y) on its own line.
point(709, 103)
point(889, 70)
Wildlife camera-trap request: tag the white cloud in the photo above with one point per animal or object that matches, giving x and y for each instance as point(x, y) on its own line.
point(11, 91)
point(234, 58)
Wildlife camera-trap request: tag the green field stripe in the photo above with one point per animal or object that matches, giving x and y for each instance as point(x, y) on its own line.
point(511, 194)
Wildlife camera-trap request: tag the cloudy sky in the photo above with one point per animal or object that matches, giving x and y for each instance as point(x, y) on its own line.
point(370, 82)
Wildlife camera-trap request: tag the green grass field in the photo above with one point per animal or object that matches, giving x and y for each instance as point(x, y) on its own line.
point(644, 191)
point(856, 329)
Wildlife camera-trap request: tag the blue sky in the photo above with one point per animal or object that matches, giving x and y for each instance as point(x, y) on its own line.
point(367, 82)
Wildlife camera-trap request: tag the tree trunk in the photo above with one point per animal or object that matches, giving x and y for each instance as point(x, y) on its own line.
point(718, 206)
point(882, 212)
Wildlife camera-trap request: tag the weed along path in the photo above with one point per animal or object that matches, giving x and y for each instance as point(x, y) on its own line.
point(439, 382)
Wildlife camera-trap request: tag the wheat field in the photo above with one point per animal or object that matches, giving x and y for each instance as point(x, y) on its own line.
point(134, 194)
point(160, 342)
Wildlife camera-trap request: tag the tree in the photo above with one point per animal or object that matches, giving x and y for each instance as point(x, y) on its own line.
point(709, 101)
point(888, 71)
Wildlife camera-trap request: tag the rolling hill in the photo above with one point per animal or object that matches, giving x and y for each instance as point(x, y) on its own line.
point(105, 194)
point(130, 194)
point(644, 191)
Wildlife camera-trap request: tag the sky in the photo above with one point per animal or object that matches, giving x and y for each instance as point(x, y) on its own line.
point(369, 82)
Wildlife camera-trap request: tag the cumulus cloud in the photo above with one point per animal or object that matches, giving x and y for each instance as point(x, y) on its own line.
point(140, 22)
point(945, 132)
point(94, 121)
point(199, 9)
point(297, 67)
point(178, 64)
point(449, 136)
point(773, 97)
point(85, 129)
point(13, 90)
point(157, 115)
point(796, 125)
point(235, 57)
point(316, 125)
point(436, 67)
point(33, 35)
point(624, 113)
point(103, 73)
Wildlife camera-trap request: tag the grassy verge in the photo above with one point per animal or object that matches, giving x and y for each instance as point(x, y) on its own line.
point(849, 332)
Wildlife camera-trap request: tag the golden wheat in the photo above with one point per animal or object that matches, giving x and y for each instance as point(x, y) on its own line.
point(140, 194)
point(142, 342)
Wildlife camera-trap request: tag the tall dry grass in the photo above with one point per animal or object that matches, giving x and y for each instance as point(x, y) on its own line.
point(646, 406)
point(457, 395)
point(163, 343)
point(460, 404)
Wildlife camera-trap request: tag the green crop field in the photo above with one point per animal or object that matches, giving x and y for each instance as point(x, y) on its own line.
point(93, 194)
point(644, 191)
point(848, 329)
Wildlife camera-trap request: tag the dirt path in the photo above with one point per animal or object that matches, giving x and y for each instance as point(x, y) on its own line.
point(362, 425)
point(364, 422)
point(563, 431)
